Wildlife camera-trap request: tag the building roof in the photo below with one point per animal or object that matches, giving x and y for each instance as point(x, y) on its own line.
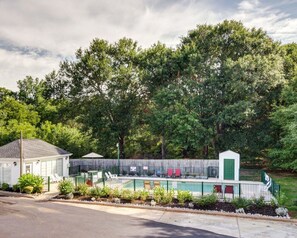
point(32, 148)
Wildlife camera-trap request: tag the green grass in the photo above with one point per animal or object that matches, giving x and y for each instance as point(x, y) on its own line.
point(288, 183)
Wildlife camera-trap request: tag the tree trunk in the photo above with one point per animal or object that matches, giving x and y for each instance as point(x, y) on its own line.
point(121, 146)
point(163, 147)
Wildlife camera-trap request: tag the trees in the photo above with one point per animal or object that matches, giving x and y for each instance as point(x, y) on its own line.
point(284, 117)
point(105, 81)
point(239, 72)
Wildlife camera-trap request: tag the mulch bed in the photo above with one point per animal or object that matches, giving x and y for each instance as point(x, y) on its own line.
point(266, 210)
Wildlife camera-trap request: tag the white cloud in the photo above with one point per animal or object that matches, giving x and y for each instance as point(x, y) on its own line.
point(61, 27)
point(15, 66)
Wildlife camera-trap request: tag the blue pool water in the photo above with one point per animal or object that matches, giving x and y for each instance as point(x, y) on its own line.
point(178, 185)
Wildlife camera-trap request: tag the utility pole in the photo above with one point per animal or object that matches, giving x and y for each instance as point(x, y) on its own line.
point(21, 154)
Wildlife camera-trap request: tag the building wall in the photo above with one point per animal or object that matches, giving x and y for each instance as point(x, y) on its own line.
point(229, 155)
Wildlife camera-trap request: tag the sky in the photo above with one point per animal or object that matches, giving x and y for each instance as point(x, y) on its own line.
point(36, 35)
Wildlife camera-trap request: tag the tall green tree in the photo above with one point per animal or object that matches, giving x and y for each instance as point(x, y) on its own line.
point(240, 75)
point(105, 83)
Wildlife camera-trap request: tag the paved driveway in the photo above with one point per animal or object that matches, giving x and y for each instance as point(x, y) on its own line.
point(22, 217)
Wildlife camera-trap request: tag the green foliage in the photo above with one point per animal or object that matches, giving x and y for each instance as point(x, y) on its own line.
point(28, 189)
point(184, 196)
point(282, 199)
point(16, 188)
point(5, 186)
point(168, 197)
point(159, 193)
point(95, 192)
point(241, 202)
point(115, 193)
point(206, 200)
point(32, 180)
point(127, 194)
point(144, 194)
point(65, 187)
point(82, 189)
point(259, 202)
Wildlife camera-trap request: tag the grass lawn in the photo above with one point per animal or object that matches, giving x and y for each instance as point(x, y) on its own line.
point(288, 183)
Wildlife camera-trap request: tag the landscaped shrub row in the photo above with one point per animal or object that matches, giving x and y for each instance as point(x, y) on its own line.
point(169, 199)
point(27, 183)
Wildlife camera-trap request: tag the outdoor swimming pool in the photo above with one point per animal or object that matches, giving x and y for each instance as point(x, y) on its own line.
point(195, 187)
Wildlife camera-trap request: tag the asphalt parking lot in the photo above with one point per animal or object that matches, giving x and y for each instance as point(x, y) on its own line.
point(23, 217)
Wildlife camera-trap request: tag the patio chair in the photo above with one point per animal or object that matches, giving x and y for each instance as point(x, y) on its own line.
point(229, 189)
point(217, 188)
point(177, 173)
point(169, 173)
point(147, 185)
point(112, 175)
point(157, 184)
point(58, 178)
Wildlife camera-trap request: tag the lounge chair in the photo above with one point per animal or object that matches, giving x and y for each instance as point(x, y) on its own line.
point(147, 185)
point(177, 173)
point(157, 184)
point(112, 175)
point(107, 176)
point(53, 179)
point(58, 178)
point(169, 173)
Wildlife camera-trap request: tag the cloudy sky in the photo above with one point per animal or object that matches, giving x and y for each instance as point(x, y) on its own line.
point(35, 35)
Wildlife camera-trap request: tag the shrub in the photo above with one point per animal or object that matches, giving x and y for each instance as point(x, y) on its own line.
point(95, 192)
point(115, 193)
point(65, 187)
point(184, 196)
point(28, 189)
point(105, 192)
point(136, 195)
point(5, 186)
point(38, 188)
point(241, 202)
point(159, 193)
point(206, 200)
point(144, 195)
point(127, 194)
point(31, 180)
point(281, 199)
point(82, 189)
point(168, 197)
point(16, 188)
point(259, 202)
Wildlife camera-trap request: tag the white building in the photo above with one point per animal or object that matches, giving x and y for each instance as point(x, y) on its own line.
point(39, 158)
point(229, 165)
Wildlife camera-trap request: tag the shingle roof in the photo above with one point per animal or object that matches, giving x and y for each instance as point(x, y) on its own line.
point(32, 148)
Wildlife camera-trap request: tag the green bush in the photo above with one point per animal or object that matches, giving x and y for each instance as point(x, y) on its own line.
point(144, 195)
point(168, 197)
point(105, 192)
point(127, 194)
point(65, 187)
point(282, 199)
point(136, 195)
point(259, 202)
point(16, 188)
point(95, 192)
point(28, 189)
point(115, 193)
point(206, 200)
point(159, 193)
point(82, 189)
point(31, 180)
point(5, 186)
point(184, 196)
point(241, 202)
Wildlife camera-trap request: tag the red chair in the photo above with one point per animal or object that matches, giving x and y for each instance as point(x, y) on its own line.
point(169, 172)
point(217, 188)
point(229, 189)
point(177, 173)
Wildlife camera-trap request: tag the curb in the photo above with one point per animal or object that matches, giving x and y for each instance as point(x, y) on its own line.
point(14, 194)
point(180, 210)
